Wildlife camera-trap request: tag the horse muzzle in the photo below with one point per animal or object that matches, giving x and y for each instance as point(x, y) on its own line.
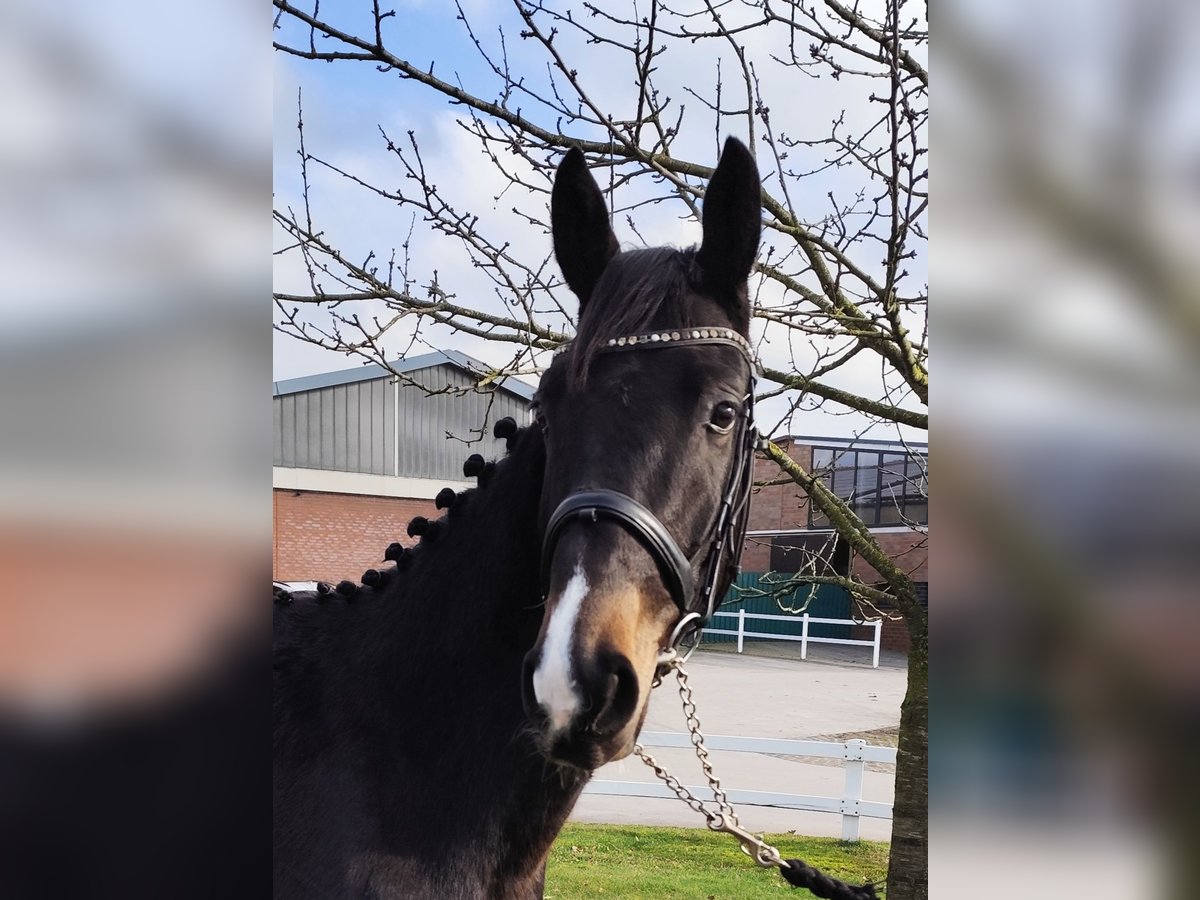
point(586, 682)
point(588, 720)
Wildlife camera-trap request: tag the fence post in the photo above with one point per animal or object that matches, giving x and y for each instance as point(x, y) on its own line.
point(741, 626)
point(852, 793)
point(804, 638)
point(878, 631)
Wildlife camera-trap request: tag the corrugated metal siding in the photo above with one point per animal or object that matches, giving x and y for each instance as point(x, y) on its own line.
point(325, 428)
point(425, 419)
point(277, 429)
point(388, 392)
point(351, 427)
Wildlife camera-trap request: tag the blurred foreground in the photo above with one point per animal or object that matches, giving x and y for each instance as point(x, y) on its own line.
point(134, 501)
point(1065, 679)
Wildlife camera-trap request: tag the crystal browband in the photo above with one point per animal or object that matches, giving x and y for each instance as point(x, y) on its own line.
point(677, 336)
point(685, 334)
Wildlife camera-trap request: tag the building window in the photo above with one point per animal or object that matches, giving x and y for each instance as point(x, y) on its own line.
point(882, 488)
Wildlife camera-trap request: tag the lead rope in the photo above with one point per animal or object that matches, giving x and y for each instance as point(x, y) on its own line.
point(795, 871)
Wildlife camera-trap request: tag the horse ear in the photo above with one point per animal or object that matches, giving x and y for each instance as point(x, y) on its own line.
point(583, 240)
point(732, 220)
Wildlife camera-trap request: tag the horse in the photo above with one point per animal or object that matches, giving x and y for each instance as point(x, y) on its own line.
point(435, 723)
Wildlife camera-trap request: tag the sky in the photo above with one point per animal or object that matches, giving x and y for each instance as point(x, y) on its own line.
point(347, 103)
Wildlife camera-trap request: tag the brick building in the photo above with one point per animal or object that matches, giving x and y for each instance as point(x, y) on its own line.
point(885, 482)
point(359, 452)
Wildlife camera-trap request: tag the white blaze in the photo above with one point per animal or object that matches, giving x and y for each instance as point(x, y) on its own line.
point(553, 684)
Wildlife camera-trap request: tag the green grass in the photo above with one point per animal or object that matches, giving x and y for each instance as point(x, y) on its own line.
point(639, 863)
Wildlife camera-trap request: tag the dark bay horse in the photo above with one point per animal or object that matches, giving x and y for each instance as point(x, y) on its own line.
point(435, 725)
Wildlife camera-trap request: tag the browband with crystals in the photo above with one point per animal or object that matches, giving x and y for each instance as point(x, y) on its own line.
point(677, 336)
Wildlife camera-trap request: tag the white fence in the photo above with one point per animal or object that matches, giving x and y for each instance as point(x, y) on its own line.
point(803, 637)
point(851, 805)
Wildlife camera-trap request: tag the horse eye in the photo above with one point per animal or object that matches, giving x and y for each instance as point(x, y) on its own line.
point(724, 414)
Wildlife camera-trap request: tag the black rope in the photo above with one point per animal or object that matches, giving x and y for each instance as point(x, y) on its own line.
point(798, 873)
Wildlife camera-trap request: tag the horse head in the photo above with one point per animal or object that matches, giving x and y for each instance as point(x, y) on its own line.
point(648, 434)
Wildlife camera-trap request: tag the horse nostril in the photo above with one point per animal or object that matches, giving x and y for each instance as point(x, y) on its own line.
point(616, 698)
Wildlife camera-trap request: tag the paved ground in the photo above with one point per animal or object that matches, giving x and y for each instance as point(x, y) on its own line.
point(767, 692)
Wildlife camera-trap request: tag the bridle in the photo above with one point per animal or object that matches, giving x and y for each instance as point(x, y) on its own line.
point(696, 583)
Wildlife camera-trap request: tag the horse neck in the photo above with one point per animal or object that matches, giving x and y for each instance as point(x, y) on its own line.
point(399, 714)
point(453, 632)
point(469, 596)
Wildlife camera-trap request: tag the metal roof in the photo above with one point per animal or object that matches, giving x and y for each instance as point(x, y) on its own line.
point(468, 364)
point(853, 443)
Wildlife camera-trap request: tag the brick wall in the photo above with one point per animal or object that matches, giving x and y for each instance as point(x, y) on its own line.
point(756, 557)
point(907, 549)
point(329, 537)
point(777, 507)
point(910, 552)
point(893, 637)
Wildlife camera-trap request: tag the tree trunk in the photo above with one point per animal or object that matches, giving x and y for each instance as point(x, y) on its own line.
point(908, 863)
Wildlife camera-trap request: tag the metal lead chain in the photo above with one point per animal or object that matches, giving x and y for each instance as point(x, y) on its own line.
point(726, 819)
